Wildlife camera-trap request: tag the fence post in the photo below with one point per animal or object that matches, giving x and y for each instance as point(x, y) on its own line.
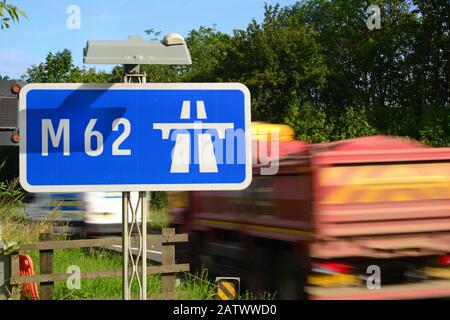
point(46, 267)
point(15, 290)
point(168, 258)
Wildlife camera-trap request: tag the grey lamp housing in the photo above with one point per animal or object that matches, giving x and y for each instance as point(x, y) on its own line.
point(136, 50)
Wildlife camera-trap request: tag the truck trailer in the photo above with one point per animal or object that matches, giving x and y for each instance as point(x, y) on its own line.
point(365, 218)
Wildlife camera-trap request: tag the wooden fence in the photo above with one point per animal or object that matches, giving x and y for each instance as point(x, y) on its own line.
point(46, 278)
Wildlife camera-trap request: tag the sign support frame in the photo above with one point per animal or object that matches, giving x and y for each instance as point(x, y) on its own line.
point(138, 262)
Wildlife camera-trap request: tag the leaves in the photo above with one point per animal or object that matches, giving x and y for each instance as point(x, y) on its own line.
point(9, 13)
point(309, 122)
point(59, 67)
point(387, 81)
point(317, 67)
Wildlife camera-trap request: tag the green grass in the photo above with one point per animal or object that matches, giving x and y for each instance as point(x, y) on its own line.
point(91, 260)
point(247, 295)
point(196, 287)
point(15, 227)
point(13, 220)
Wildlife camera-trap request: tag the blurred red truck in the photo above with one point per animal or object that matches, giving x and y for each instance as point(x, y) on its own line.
point(365, 218)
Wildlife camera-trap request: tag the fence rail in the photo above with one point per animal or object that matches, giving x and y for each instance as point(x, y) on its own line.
point(46, 278)
point(103, 242)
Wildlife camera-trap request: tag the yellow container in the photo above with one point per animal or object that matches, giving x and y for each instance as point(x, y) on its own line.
point(270, 132)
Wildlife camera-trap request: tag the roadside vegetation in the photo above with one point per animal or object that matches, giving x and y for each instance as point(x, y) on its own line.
point(13, 221)
point(316, 66)
point(17, 229)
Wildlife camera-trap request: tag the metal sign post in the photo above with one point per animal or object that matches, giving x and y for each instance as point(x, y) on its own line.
point(138, 272)
point(140, 209)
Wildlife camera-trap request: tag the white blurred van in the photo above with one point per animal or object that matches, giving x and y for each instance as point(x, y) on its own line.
point(91, 213)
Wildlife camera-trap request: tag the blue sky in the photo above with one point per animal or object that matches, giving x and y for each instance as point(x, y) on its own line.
point(45, 30)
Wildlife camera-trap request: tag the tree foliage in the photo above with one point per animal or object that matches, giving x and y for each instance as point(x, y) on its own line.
point(317, 67)
point(397, 76)
point(59, 67)
point(9, 13)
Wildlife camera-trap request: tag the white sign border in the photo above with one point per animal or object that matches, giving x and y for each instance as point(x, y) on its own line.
point(133, 187)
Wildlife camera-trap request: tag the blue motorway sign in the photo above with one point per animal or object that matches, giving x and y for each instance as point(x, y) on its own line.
point(134, 137)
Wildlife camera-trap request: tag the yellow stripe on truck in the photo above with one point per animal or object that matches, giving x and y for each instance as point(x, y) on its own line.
point(376, 183)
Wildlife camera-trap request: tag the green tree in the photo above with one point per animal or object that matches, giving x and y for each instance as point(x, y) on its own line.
point(317, 67)
point(430, 92)
point(59, 67)
point(310, 123)
point(9, 13)
point(397, 75)
point(352, 124)
point(281, 64)
point(435, 127)
point(161, 73)
point(208, 48)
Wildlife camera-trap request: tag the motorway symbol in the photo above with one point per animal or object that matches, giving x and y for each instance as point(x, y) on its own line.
point(134, 137)
point(207, 159)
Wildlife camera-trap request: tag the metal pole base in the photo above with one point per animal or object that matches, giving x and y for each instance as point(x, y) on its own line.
point(134, 257)
point(134, 252)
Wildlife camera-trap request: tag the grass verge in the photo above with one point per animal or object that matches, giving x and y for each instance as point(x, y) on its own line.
point(197, 287)
point(16, 227)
